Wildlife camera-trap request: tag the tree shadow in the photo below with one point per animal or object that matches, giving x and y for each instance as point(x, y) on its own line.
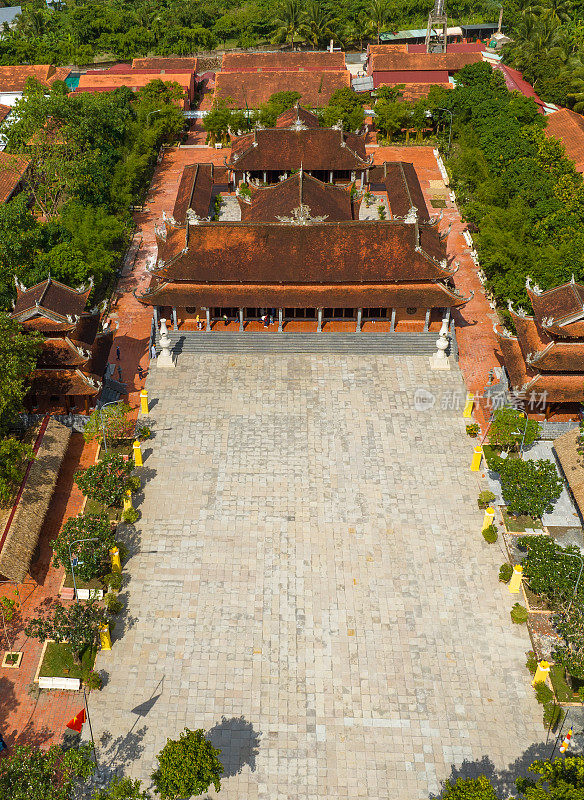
point(121, 750)
point(238, 742)
point(503, 780)
point(123, 621)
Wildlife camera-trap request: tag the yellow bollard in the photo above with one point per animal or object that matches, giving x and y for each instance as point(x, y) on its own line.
point(115, 557)
point(128, 500)
point(467, 413)
point(105, 638)
point(144, 402)
point(475, 464)
point(138, 454)
point(488, 518)
point(541, 673)
point(515, 582)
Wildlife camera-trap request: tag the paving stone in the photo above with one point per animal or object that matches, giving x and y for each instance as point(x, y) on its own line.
point(311, 584)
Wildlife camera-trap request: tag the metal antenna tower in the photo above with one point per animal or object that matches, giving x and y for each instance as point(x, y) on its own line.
point(437, 19)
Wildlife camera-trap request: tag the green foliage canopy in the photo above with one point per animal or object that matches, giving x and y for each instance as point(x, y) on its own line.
point(29, 773)
point(107, 481)
point(187, 766)
point(76, 624)
point(93, 556)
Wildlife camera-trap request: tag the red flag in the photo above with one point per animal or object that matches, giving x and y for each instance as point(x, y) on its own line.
point(77, 721)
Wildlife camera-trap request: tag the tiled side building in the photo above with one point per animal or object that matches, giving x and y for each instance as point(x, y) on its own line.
point(74, 355)
point(300, 249)
point(546, 356)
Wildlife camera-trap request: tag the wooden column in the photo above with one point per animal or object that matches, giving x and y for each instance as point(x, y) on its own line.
point(156, 315)
point(86, 403)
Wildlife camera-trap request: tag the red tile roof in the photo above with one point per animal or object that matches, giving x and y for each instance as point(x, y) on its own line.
point(381, 61)
point(453, 47)
point(393, 77)
point(544, 354)
point(100, 81)
point(60, 353)
point(12, 170)
point(280, 200)
point(53, 297)
point(565, 303)
point(4, 112)
point(340, 252)
point(48, 382)
point(243, 90)
point(403, 188)
point(284, 149)
point(515, 82)
point(568, 127)
point(195, 191)
point(283, 62)
point(13, 79)
point(297, 116)
point(422, 294)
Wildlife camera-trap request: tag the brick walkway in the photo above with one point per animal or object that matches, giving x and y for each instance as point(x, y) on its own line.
point(24, 720)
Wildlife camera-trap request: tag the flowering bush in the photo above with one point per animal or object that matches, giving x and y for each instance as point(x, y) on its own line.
point(92, 556)
point(529, 487)
point(107, 481)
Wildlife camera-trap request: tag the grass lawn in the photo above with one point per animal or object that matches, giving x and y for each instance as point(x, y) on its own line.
point(562, 688)
point(121, 449)
point(519, 524)
point(93, 507)
point(58, 661)
point(493, 458)
point(94, 583)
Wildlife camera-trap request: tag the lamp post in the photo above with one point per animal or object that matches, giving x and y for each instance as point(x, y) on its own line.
point(78, 541)
point(575, 555)
point(102, 426)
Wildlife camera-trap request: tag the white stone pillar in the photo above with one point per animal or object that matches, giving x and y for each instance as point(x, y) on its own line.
point(362, 179)
point(280, 315)
point(353, 176)
point(359, 317)
point(427, 320)
point(265, 177)
point(331, 176)
point(164, 357)
point(156, 316)
point(319, 323)
point(447, 316)
point(392, 323)
point(174, 319)
point(208, 313)
point(241, 320)
point(440, 360)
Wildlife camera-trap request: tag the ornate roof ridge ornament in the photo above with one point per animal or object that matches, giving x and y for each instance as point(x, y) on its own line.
point(411, 218)
point(160, 232)
point(446, 233)
point(302, 216)
point(73, 319)
point(520, 311)
point(19, 284)
point(502, 331)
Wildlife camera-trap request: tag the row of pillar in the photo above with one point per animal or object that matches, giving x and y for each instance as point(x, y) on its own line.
point(319, 319)
point(247, 177)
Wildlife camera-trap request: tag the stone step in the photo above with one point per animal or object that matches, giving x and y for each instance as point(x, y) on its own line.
point(349, 343)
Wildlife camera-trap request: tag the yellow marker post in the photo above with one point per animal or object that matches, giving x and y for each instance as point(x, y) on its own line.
point(105, 638)
point(541, 673)
point(144, 402)
point(138, 454)
point(488, 518)
point(467, 413)
point(515, 582)
point(477, 457)
point(128, 500)
point(115, 557)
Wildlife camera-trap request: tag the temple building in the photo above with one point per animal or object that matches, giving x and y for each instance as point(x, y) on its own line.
point(308, 244)
point(545, 359)
point(74, 355)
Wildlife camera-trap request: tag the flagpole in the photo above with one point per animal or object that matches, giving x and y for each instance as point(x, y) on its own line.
point(91, 731)
point(559, 735)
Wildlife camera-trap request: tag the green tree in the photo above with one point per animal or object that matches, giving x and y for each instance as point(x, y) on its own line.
point(560, 779)
point(187, 766)
point(389, 116)
point(276, 105)
point(111, 422)
point(510, 427)
point(13, 458)
point(92, 556)
point(77, 625)
point(29, 773)
point(107, 481)
point(379, 15)
point(345, 106)
point(319, 24)
point(479, 788)
point(18, 355)
point(122, 789)
point(289, 22)
point(530, 487)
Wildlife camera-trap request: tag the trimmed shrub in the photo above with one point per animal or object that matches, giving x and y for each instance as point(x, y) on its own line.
point(473, 429)
point(519, 614)
point(490, 534)
point(505, 573)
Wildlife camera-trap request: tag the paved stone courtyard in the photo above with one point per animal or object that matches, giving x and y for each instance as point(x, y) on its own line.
point(309, 583)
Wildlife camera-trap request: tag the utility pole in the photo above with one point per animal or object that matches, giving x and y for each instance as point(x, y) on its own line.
point(438, 19)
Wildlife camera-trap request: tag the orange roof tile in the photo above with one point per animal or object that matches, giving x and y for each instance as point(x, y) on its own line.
point(382, 61)
point(13, 79)
point(243, 90)
point(568, 127)
point(12, 169)
point(166, 64)
point(280, 200)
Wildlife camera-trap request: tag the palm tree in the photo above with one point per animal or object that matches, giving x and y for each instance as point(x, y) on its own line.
point(289, 22)
point(379, 15)
point(318, 23)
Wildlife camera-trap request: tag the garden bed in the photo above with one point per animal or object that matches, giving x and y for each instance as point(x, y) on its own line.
point(113, 513)
point(521, 524)
point(58, 662)
point(562, 689)
point(544, 637)
point(533, 601)
point(85, 589)
point(122, 449)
